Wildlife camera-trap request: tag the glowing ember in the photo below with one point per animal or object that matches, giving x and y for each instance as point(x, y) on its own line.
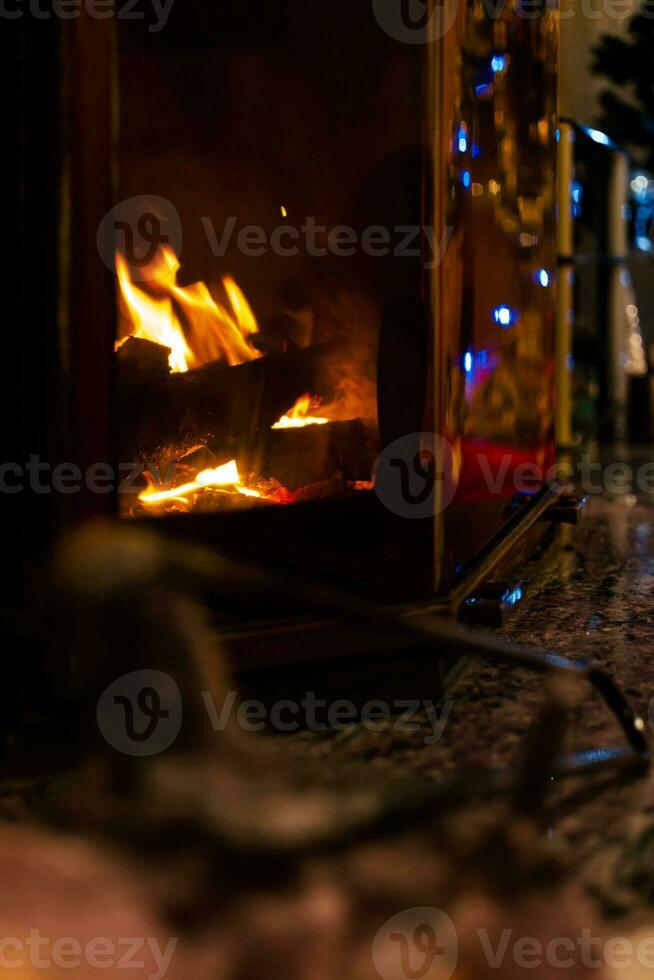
point(299, 417)
point(226, 478)
point(187, 319)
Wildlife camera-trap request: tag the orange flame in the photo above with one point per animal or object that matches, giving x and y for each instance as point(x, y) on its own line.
point(211, 332)
point(299, 417)
point(225, 477)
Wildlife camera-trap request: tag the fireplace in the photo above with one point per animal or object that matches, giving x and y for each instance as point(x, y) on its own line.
point(306, 277)
point(361, 411)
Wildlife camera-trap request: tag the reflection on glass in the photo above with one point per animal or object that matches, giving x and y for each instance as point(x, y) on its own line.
point(494, 293)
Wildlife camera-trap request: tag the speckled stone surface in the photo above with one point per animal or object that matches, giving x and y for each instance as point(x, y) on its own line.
point(575, 856)
point(592, 599)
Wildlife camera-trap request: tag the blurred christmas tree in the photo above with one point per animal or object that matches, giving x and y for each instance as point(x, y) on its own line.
point(629, 64)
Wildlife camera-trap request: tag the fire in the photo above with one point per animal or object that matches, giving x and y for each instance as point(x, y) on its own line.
point(299, 417)
point(199, 327)
point(187, 319)
point(153, 319)
point(225, 478)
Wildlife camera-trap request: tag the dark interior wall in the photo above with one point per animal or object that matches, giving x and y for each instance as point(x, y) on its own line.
point(235, 112)
point(57, 151)
point(31, 392)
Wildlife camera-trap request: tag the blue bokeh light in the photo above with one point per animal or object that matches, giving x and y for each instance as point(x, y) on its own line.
point(597, 136)
point(512, 596)
point(504, 316)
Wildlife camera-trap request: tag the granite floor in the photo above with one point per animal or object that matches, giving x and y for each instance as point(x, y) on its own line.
point(594, 598)
point(226, 849)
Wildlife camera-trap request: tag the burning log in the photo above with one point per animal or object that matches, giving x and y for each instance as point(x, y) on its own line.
point(298, 457)
point(163, 416)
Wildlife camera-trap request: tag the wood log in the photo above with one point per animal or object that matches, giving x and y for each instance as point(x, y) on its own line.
point(299, 457)
point(163, 416)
